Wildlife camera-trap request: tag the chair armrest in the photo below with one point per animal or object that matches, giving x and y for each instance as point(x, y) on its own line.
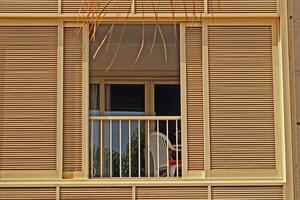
point(175, 147)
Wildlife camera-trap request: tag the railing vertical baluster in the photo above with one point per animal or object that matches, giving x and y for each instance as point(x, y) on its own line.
point(148, 152)
point(157, 147)
point(120, 146)
point(92, 148)
point(110, 148)
point(129, 148)
point(101, 148)
point(176, 134)
point(167, 127)
point(139, 148)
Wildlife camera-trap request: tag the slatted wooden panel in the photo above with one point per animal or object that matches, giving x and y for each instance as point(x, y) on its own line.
point(194, 92)
point(149, 193)
point(103, 6)
point(28, 6)
point(27, 193)
point(242, 6)
point(72, 130)
point(241, 97)
point(169, 6)
point(28, 100)
point(248, 193)
point(96, 193)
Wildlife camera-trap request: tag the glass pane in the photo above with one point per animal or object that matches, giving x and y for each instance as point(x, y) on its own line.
point(125, 98)
point(167, 100)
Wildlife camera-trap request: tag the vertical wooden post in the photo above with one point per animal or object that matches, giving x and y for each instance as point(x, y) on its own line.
point(59, 121)
point(183, 99)
point(206, 98)
point(85, 100)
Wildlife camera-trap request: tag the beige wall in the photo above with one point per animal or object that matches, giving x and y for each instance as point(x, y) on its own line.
point(296, 46)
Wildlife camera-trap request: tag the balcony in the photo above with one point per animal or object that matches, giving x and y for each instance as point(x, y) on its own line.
point(135, 146)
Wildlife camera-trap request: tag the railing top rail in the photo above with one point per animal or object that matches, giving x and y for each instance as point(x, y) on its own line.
point(135, 117)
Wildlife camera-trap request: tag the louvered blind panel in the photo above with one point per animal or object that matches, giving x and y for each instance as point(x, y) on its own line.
point(103, 6)
point(248, 193)
point(241, 97)
point(96, 193)
point(194, 92)
point(242, 6)
point(28, 6)
point(149, 193)
point(28, 100)
point(27, 193)
point(72, 130)
point(169, 6)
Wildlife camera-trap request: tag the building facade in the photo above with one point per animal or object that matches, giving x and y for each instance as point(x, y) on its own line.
point(137, 99)
point(294, 41)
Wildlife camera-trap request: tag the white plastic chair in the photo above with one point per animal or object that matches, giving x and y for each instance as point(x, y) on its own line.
point(163, 142)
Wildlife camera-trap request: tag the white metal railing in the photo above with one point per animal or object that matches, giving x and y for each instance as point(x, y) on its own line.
point(135, 146)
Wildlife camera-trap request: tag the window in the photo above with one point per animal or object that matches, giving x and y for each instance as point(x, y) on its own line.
point(135, 111)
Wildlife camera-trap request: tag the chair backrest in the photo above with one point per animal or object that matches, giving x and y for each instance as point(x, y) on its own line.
point(158, 148)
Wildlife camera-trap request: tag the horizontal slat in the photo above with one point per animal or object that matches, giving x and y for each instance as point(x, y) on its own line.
point(149, 193)
point(28, 6)
point(242, 6)
point(92, 6)
point(194, 92)
point(28, 193)
point(28, 84)
point(95, 193)
point(169, 6)
point(248, 192)
point(242, 125)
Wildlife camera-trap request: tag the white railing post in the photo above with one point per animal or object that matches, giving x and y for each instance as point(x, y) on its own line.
point(110, 148)
point(92, 149)
point(129, 147)
point(120, 146)
point(167, 149)
point(139, 148)
point(176, 135)
point(101, 148)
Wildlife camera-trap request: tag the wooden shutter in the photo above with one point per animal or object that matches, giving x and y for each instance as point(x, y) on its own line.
point(28, 193)
point(241, 97)
point(96, 193)
point(247, 193)
point(28, 6)
point(72, 130)
point(149, 193)
point(242, 6)
point(104, 6)
point(28, 101)
point(194, 95)
point(169, 6)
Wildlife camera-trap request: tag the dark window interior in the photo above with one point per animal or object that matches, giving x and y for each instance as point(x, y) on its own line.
point(122, 97)
point(167, 100)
